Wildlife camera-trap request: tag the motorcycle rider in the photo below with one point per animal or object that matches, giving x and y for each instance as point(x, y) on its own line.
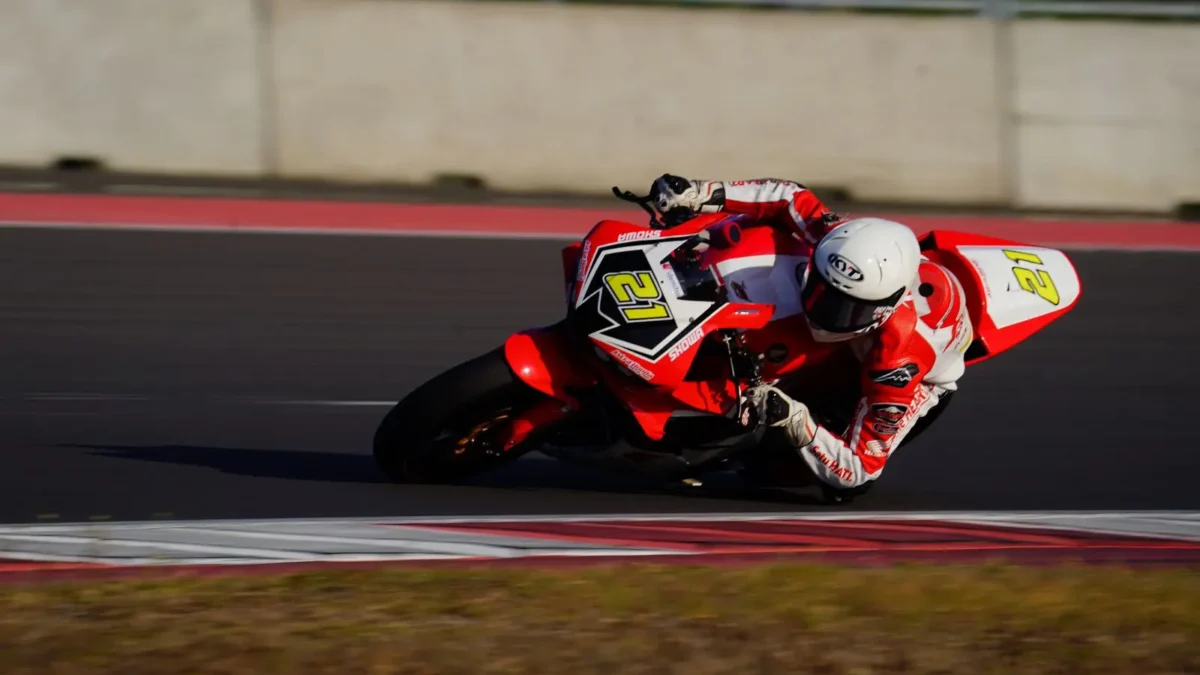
point(866, 284)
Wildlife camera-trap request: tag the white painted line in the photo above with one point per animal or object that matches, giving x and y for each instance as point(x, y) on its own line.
point(423, 231)
point(194, 548)
point(76, 397)
point(82, 396)
point(425, 546)
point(326, 403)
point(726, 516)
point(22, 556)
point(162, 562)
point(53, 413)
point(432, 231)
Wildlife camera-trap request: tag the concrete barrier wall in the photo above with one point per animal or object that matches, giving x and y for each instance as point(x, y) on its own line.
point(581, 97)
point(1107, 115)
point(159, 85)
point(1037, 113)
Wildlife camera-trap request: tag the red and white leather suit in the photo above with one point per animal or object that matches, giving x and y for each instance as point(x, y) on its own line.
point(908, 365)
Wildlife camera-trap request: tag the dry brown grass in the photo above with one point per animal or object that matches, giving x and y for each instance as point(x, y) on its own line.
point(627, 619)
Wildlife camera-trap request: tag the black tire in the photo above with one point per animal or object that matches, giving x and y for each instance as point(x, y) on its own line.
point(417, 439)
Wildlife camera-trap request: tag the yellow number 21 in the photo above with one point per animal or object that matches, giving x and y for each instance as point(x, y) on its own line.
point(638, 295)
point(1037, 282)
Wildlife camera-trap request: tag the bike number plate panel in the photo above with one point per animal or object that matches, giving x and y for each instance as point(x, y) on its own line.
point(630, 300)
point(1023, 282)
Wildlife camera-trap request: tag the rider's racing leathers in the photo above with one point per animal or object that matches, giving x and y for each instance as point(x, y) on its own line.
point(908, 365)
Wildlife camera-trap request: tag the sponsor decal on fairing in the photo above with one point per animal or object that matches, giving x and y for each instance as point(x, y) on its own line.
point(672, 280)
point(686, 343)
point(637, 368)
point(581, 269)
point(639, 235)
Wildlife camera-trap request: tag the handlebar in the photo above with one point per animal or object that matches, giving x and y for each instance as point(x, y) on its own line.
point(644, 202)
point(658, 221)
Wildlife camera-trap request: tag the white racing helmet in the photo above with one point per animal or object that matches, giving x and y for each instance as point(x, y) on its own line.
point(858, 275)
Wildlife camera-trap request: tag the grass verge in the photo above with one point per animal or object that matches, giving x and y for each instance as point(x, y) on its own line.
point(628, 619)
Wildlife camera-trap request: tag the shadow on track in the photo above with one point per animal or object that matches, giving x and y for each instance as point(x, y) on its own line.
point(521, 476)
point(555, 475)
point(286, 464)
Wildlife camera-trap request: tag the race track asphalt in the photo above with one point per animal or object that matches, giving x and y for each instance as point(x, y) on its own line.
point(192, 375)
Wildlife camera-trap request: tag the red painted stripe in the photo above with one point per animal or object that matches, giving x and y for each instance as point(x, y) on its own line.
point(524, 531)
point(297, 215)
point(1036, 556)
point(334, 216)
point(800, 536)
point(725, 534)
point(979, 532)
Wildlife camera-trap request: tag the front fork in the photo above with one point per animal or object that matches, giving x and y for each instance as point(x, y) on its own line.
point(541, 414)
point(744, 367)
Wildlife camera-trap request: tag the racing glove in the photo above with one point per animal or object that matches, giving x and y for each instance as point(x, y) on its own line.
point(776, 409)
point(678, 198)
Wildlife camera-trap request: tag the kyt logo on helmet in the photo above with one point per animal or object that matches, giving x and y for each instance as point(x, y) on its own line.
point(845, 267)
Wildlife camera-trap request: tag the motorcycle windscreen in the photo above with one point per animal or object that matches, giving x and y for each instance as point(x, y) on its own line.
point(830, 309)
point(690, 281)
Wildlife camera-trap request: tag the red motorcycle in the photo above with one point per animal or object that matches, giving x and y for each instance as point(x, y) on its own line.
point(665, 327)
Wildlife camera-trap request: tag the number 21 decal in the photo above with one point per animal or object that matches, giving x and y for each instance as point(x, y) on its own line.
point(638, 296)
point(1037, 282)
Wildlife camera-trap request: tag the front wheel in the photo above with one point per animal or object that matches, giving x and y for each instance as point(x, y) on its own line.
point(446, 430)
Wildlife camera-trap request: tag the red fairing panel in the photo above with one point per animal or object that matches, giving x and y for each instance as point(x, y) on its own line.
point(672, 367)
point(1013, 290)
point(651, 407)
point(543, 359)
point(570, 261)
point(616, 231)
point(527, 421)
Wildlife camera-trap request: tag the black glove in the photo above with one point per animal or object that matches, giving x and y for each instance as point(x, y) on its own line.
point(679, 199)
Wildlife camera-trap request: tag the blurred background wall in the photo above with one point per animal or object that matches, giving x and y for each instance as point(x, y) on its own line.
point(157, 85)
point(979, 105)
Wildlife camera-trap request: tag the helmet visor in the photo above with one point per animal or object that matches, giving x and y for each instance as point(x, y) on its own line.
point(832, 310)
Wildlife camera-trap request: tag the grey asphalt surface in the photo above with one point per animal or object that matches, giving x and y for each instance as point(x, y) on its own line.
point(189, 375)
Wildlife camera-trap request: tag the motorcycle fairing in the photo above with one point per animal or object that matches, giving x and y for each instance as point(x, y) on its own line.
point(1013, 290)
point(543, 358)
point(653, 406)
point(630, 300)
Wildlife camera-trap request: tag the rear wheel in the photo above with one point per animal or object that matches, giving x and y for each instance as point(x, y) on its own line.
point(449, 428)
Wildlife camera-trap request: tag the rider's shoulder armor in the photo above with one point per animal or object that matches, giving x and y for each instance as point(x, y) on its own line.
point(943, 322)
point(925, 338)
